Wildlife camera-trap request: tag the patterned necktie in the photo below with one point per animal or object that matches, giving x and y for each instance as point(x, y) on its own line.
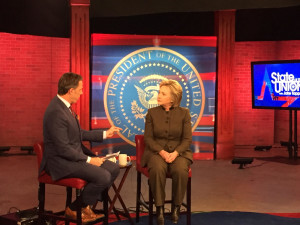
point(73, 113)
point(76, 118)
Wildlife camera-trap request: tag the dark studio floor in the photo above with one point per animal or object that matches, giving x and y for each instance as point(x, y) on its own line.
point(270, 184)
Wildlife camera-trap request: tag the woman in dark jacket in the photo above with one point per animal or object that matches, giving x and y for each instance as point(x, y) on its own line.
point(168, 136)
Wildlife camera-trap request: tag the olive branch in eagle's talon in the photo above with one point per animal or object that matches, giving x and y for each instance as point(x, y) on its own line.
point(137, 111)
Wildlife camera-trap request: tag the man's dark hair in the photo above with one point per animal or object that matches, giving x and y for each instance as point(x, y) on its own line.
point(68, 81)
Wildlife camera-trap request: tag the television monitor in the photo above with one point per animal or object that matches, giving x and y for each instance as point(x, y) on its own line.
point(275, 84)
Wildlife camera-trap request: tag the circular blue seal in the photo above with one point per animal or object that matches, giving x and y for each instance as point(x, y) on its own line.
point(133, 84)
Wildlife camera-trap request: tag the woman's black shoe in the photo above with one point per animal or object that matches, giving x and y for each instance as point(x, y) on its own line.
point(175, 213)
point(160, 215)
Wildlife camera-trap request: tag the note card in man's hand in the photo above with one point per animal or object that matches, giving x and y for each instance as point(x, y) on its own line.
point(108, 156)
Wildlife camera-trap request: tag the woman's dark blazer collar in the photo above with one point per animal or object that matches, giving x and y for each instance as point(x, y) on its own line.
point(172, 107)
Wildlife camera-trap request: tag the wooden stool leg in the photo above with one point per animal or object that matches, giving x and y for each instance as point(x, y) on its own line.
point(41, 197)
point(189, 201)
point(150, 205)
point(69, 196)
point(78, 196)
point(68, 200)
point(138, 197)
point(105, 206)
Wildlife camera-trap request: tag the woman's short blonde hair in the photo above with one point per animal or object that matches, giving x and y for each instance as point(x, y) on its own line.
point(176, 91)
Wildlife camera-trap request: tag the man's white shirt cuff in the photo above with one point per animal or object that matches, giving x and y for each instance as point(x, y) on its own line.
point(88, 159)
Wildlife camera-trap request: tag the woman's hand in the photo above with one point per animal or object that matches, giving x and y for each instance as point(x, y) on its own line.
point(172, 157)
point(168, 157)
point(164, 154)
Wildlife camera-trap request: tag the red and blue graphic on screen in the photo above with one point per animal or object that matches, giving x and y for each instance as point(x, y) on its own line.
point(276, 84)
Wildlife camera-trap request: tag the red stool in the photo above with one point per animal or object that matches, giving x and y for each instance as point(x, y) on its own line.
point(69, 183)
point(140, 146)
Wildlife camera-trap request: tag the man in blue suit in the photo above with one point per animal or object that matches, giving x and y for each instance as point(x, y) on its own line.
point(65, 156)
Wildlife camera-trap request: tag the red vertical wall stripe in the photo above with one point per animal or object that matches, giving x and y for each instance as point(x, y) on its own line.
point(80, 56)
point(225, 30)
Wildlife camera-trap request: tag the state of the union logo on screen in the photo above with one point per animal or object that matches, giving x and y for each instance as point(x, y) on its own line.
point(133, 84)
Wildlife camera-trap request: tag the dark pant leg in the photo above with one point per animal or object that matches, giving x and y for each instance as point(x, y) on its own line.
point(179, 170)
point(157, 168)
point(98, 179)
point(113, 169)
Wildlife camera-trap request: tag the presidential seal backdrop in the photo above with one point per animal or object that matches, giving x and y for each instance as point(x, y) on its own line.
point(133, 84)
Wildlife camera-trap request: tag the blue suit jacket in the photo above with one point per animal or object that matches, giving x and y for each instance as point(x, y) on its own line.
point(64, 152)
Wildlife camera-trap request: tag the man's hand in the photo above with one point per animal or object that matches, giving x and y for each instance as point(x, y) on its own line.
point(172, 157)
point(96, 161)
point(111, 131)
